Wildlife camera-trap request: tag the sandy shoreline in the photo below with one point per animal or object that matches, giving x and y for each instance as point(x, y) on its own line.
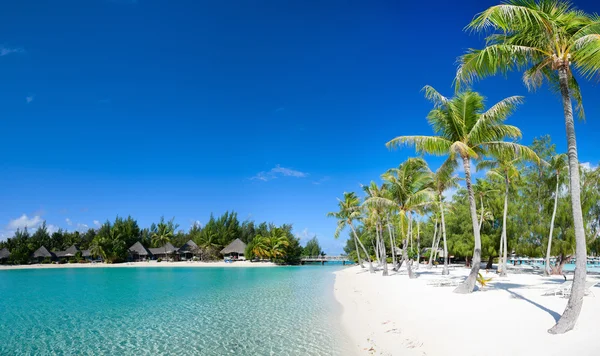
point(398, 316)
point(236, 264)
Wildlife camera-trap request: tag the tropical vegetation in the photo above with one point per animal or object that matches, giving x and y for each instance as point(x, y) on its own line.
point(112, 240)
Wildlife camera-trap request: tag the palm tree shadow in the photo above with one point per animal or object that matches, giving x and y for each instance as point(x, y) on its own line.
point(554, 314)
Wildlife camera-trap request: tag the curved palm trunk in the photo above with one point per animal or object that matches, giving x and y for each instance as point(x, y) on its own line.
point(384, 253)
point(391, 244)
point(360, 262)
point(445, 271)
point(547, 269)
point(418, 245)
point(435, 226)
point(569, 317)
point(405, 253)
point(503, 236)
point(481, 218)
point(469, 284)
point(500, 264)
point(371, 269)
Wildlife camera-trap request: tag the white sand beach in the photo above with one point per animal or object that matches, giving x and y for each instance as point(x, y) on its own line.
point(236, 264)
point(397, 316)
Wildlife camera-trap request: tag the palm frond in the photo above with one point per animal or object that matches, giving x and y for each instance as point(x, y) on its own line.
point(423, 144)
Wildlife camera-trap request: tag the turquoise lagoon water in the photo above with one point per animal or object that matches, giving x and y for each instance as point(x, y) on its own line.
point(183, 311)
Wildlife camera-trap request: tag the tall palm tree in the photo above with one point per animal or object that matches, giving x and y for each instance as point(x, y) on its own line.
point(464, 130)
point(162, 235)
point(558, 165)
point(550, 39)
point(409, 188)
point(482, 189)
point(504, 166)
point(442, 181)
point(349, 211)
point(377, 203)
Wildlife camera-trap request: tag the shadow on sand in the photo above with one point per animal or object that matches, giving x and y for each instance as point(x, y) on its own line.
point(507, 287)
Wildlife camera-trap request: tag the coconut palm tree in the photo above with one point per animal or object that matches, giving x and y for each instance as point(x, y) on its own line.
point(558, 165)
point(409, 188)
point(442, 181)
point(162, 235)
point(349, 211)
point(482, 189)
point(504, 166)
point(551, 40)
point(377, 203)
point(464, 130)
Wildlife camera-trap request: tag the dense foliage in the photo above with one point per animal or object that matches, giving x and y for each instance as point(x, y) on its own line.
point(112, 240)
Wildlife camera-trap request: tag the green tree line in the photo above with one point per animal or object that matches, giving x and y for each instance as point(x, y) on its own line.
point(112, 240)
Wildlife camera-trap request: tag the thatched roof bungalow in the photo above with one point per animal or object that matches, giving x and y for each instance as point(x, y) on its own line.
point(188, 250)
point(139, 252)
point(68, 253)
point(4, 254)
point(164, 251)
point(42, 253)
point(236, 250)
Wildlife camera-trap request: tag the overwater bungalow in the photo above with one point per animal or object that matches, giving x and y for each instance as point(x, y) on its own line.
point(4, 255)
point(42, 253)
point(235, 250)
point(188, 250)
point(164, 252)
point(139, 253)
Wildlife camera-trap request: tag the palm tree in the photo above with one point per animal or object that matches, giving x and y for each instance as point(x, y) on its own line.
point(464, 130)
point(503, 165)
point(548, 38)
point(260, 247)
point(348, 213)
point(409, 188)
point(277, 242)
point(162, 235)
point(558, 164)
point(442, 181)
point(482, 188)
point(97, 249)
point(377, 203)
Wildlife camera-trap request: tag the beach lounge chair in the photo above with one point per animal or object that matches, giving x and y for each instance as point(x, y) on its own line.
point(560, 289)
point(444, 282)
point(587, 290)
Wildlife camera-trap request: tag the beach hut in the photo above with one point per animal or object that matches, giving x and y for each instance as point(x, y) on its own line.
point(4, 255)
point(68, 253)
point(188, 250)
point(43, 253)
point(138, 252)
point(164, 251)
point(235, 250)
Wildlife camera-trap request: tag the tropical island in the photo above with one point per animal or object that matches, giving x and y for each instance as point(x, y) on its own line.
point(120, 241)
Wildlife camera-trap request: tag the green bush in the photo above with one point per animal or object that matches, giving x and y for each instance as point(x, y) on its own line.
point(46, 261)
point(159, 260)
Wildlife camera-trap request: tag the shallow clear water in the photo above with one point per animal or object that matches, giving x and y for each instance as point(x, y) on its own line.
point(189, 311)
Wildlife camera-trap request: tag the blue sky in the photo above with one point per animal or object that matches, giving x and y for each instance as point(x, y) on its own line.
point(271, 108)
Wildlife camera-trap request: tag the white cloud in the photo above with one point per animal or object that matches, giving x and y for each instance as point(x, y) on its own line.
point(24, 221)
point(97, 223)
point(588, 166)
point(278, 171)
point(29, 98)
point(69, 222)
point(305, 235)
point(82, 227)
point(322, 180)
point(4, 51)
